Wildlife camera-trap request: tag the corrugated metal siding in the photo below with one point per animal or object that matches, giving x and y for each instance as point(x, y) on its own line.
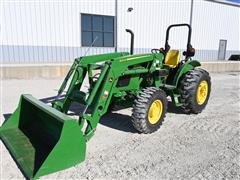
point(49, 31)
point(48, 23)
point(149, 21)
point(202, 55)
point(46, 31)
point(214, 21)
point(40, 54)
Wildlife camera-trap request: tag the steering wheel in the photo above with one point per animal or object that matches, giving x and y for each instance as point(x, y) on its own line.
point(155, 51)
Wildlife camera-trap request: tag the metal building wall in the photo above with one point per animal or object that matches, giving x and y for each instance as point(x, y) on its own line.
point(49, 31)
point(212, 22)
point(149, 21)
point(46, 31)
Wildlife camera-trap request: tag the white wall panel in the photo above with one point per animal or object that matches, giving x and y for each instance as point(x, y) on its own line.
point(49, 30)
point(48, 23)
point(149, 21)
point(212, 22)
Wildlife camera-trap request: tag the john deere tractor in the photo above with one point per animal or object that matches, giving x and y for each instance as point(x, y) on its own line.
point(44, 139)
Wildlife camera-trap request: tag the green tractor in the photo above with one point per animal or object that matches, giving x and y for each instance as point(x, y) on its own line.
point(44, 139)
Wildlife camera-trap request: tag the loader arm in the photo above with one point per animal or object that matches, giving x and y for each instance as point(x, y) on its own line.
point(108, 85)
point(78, 70)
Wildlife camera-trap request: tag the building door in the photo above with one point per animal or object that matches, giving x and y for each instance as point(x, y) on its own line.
point(222, 49)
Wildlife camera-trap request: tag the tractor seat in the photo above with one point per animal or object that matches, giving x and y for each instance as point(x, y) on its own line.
point(172, 58)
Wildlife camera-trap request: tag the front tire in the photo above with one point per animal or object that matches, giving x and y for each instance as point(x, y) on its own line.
point(195, 90)
point(149, 110)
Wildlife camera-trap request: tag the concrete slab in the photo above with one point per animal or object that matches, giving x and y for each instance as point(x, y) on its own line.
point(29, 71)
point(203, 146)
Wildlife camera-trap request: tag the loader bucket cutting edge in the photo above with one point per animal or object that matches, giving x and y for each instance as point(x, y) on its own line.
point(41, 139)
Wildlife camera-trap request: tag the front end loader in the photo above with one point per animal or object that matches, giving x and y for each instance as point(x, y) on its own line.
point(44, 139)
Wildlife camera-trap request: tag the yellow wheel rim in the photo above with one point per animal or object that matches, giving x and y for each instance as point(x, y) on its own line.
point(202, 92)
point(155, 111)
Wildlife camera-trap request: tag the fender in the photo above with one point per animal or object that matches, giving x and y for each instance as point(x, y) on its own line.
point(189, 65)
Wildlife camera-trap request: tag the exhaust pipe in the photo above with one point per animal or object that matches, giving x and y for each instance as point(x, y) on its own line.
point(132, 40)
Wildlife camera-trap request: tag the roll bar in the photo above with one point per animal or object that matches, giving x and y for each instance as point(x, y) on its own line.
point(190, 50)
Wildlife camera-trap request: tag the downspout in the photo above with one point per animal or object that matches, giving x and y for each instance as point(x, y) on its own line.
point(191, 13)
point(115, 26)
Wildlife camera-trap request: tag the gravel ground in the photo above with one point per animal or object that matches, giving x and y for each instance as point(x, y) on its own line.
point(203, 146)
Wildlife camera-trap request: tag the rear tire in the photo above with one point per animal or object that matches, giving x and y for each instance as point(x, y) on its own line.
point(195, 89)
point(149, 110)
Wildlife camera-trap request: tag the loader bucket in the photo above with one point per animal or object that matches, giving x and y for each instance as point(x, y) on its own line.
point(41, 139)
